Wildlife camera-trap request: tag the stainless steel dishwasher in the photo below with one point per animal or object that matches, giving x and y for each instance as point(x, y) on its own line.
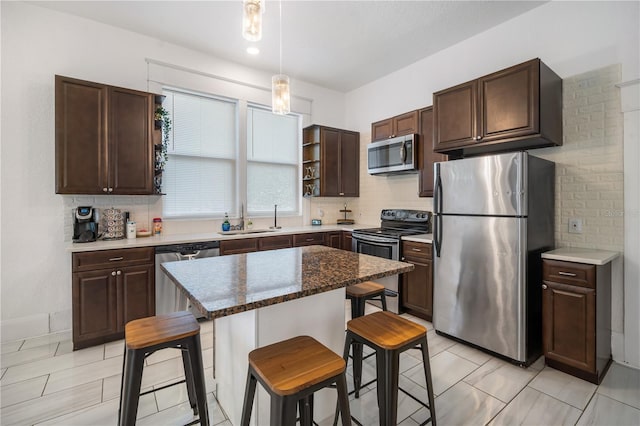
point(168, 297)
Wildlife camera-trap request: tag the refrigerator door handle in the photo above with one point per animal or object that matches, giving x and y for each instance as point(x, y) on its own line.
point(437, 235)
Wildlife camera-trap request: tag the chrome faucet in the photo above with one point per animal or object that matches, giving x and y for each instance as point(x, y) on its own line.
point(275, 218)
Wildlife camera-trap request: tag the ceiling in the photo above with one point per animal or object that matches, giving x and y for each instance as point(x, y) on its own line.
point(339, 45)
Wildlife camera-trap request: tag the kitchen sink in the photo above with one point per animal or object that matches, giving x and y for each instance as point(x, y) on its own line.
point(246, 231)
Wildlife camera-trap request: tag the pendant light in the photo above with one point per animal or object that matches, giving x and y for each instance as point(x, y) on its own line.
point(280, 96)
point(252, 11)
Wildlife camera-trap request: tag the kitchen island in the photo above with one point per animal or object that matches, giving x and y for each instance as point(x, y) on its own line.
point(264, 297)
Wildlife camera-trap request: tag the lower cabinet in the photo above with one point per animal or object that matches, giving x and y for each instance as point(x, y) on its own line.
point(334, 239)
point(347, 241)
point(576, 318)
point(275, 242)
point(109, 289)
point(309, 239)
point(417, 285)
point(242, 245)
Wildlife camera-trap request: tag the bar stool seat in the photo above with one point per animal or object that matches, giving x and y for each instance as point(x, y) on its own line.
point(360, 293)
point(145, 336)
point(389, 335)
point(291, 371)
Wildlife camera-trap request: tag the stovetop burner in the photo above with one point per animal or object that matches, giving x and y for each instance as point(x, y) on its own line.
point(397, 223)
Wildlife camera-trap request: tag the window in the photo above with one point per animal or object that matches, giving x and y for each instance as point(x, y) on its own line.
point(205, 168)
point(200, 175)
point(272, 161)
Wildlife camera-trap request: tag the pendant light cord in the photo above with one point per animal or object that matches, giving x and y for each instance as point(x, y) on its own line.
point(280, 36)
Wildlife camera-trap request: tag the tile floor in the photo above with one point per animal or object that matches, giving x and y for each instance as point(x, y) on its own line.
point(43, 382)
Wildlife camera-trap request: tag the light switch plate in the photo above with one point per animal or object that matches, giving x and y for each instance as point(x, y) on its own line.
point(575, 226)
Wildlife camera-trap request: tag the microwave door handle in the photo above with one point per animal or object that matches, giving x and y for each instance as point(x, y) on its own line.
point(403, 153)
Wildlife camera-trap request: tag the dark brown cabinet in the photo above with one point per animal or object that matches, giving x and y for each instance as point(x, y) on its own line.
point(109, 289)
point(312, 238)
point(242, 245)
point(104, 139)
point(275, 242)
point(347, 241)
point(426, 156)
point(400, 125)
point(417, 285)
point(334, 239)
point(331, 162)
point(576, 318)
point(516, 108)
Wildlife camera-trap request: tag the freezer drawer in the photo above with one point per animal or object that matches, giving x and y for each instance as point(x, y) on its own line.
point(479, 282)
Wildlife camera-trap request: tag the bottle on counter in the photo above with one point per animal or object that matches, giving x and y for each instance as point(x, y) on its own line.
point(157, 226)
point(225, 224)
point(131, 229)
point(249, 224)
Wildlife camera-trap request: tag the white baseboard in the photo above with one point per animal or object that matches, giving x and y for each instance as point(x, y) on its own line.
point(24, 327)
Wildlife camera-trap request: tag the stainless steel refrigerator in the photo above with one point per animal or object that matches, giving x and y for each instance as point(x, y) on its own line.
point(493, 216)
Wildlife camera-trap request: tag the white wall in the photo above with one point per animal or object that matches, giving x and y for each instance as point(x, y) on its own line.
point(38, 43)
point(571, 38)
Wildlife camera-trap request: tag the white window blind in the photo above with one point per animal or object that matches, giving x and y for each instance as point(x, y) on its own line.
point(200, 175)
point(273, 148)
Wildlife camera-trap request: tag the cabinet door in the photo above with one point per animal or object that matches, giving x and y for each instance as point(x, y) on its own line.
point(347, 241)
point(315, 238)
point(95, 303)
point(417, 290)
point(426, 156)
point(81, 138)
point(568, 325)
point(130, 142)
point(455, 116)
point(330, 177)
point(275, 242)
point(136, 289)
point(382, 129)
point(349, 164)
point(510, 102)
point(333, 239)
point(405, 124)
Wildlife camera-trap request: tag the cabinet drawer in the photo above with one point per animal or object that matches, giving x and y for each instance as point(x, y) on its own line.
point(244, 245)
point(416, 251)
point(101, 259)
point(308, 239)
point(571, 273)
point(275, 242)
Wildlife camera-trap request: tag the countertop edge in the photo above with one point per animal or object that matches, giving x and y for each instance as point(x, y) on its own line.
point(581, 255)
point(421, 238)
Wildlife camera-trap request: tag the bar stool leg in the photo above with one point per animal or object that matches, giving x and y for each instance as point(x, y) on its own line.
point(283, 411)
point(305, 408)
point(249, 393)
point(354, 307)
point(132, 379)
point(427, 375)
point(195, 356)
point(188, 375)
point(383, 299)
point(343, 400)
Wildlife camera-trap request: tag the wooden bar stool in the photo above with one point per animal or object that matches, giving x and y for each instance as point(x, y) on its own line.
point(360, 293)
point(291, 371)
point(389, 335)
point(145, 336)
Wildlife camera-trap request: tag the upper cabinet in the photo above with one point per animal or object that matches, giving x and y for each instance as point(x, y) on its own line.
point(513, 109)
point(426, 156)
point(331, 162)
point(104, 139)
point(400, 125)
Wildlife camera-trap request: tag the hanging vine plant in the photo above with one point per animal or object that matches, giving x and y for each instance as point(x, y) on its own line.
point(162, 118)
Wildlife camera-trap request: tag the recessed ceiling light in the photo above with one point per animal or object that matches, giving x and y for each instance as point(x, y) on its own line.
point(252, 50)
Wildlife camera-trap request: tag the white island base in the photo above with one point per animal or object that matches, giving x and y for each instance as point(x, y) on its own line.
point(321, 316)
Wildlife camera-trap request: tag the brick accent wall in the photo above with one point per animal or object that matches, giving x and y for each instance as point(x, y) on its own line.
point(589, 165)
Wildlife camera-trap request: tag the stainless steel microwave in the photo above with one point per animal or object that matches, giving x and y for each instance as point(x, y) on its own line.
point(394, 155)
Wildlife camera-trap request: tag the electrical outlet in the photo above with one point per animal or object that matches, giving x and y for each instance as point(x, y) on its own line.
point(320, 212)
point(575, 226)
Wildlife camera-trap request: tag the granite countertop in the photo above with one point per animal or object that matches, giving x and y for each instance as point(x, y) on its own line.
point(420, 238)
point(200, 237)
point(581, 255)
point(225, 285)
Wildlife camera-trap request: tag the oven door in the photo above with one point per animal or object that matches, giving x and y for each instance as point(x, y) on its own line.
point(388, 248)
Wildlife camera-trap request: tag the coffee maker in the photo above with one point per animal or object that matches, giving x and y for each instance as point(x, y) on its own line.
point(85, 224)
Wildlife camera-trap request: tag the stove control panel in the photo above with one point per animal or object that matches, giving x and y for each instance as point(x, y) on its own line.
point(399, 215)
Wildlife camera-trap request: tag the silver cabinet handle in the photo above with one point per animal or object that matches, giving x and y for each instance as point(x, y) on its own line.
point(342, 193)
point(309, 239)
point(416, 249)
point(119, 273)
point(110, 189)
point(544, 286)
point(113, 274)
point(567, 274)
point(115, 259)
point(105, 189)
point(403, 258)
